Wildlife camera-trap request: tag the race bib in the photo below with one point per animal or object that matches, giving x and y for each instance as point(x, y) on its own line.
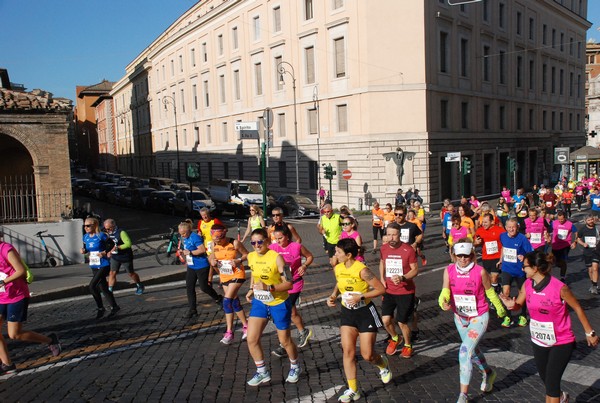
point(393, 267)
point(510, 255)
point(263, 295)
point(404, 235)
point(385, 223)
point(189, 260)
point(94, 258)
point(500, 212)
point(562, 234)
point(209, 247)
point(449, 225)
point(596, 201)
point(348, 299)
point(542, 333)
point(225, 267)
point(2, 277)
point(491, 247)
point(376, 219)
point(548, 204)
point(466, 305)
point(590, 240)
point(535, 238)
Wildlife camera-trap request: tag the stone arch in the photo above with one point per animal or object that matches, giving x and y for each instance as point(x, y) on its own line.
point(24, 138)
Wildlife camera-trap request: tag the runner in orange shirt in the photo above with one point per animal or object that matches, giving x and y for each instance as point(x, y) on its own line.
point(377, 225)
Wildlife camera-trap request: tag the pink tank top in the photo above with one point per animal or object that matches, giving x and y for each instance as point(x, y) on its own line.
point(292, 254)
point(16, 290)
point(468, 295)
point(353, 235)
point(506, 195)
point(550, 322)
point(536, 231)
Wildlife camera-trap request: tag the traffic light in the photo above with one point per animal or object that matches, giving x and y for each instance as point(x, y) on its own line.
point(329, 172)
point(512, 164)
point(466, 166)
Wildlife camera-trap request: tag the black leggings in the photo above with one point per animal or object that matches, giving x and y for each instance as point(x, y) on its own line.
point(99, 284)
point(201, 276)
point(551, 363)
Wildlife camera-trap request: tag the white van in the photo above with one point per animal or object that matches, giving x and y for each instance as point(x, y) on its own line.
point(235, 195)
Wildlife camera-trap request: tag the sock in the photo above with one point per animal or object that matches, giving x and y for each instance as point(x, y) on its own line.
point(408, 345)
point(395, 338)
point(110, 288)
point(382, 363)
point(353, 384)
point(595, 284)
point(293, 363)
point(260, 367)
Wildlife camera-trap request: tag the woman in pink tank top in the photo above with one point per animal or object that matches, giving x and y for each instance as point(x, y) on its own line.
point(350, 230)
point(550, 328)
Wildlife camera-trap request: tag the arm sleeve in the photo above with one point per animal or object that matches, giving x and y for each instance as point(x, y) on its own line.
point(126, 240)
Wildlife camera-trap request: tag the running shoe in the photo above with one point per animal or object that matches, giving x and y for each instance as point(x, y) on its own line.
point(140, 290)
point(507, 322)
point(487, 384)
point(8, 369)
point(349, 396)
point(463, 398)
point(564, 397)
point(406, 352)
point(304, 336)
point(279, 352)
point(114, 310)
point(417, 302)
point(385, 374)
point(100, 313)
point(245, 332)
point(260, 377)
point(54, 346)
point(227, 338)
point(593, 290)
point(522, 321)
point(190, 314)
point(293, 375)
point(392, 347)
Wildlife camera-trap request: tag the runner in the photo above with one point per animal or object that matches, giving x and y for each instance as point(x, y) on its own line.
point(120, 255)
point(270, 282)
point(350, 230)
point(277, 215)
point(594, 199)
point(567, 201)
point(255, 220)
point(564, 238)
point(502, 210)
point(447, 225)
point(465, 286)
point(551, 331)
point(377, 221)
point(292, 253)
point(458, 231)
point(535, 230)
point(204, 225)
point(227, 257)
point(465, 214)
point(589, 238)
point(488, 237)
point(580, 193)
point(397, 268)
point(330, 227)
point(388, 216)
point(411, 216)
point(359, 318)
point(550, 199)
point(94, 244)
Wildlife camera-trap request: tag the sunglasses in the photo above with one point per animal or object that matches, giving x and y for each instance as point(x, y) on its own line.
point(327, 211)
point(88, 225)
point(346, 223)
point(399, 214)
point(276, 215)
point(257, 243)
point(463, 256)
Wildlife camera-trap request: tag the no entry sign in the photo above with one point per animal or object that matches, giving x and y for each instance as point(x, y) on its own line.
point(346, 174)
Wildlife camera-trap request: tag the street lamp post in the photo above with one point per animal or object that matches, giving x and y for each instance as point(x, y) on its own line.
point(316, 106)
point(167, 99)
point(282, 70)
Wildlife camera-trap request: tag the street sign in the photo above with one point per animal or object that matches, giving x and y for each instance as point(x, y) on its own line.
point(248, 134)
point(452, 157)
point(193, 172)
point(561, 155)
point(239, 126)
point(346, 174)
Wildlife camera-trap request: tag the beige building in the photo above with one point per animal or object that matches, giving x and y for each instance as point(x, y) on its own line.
point(382, 89)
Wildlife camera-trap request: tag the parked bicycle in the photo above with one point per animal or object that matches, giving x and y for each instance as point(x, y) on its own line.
point(168, 253)
point(49, 260)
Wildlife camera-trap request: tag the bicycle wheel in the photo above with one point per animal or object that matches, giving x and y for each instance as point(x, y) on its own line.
point(52, 261)
point(163, 258)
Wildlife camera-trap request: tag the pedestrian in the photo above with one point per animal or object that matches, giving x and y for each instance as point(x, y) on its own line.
point(277, 215)
point(359, 319)
point(408, 196)
point(120, 255)
point(270, 282)
point(14, 301)
point(398, 267)
point(204, 225)
point(415, 197)
point(95, 245)
point(400, 198)
point(564, 238)
point(198, 267)
point(552, 336)
point(321, 194)
point(293, 253)
point(255, 220)
point(589, 238)
point(377, 222)
point(330, 227)
point(227, 258)
point(465, 286)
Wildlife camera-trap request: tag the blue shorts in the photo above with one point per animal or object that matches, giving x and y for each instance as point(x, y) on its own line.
point(281, 313)
point(15, 312)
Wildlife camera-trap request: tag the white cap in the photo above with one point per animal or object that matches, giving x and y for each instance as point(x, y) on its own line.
point(463, 248)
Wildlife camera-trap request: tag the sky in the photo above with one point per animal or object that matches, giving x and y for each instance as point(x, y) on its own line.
point(56, 45)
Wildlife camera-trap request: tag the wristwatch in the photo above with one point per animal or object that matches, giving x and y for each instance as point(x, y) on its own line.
point(591, 334)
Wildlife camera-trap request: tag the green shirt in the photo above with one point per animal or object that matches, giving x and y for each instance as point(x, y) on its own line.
point(332, 227)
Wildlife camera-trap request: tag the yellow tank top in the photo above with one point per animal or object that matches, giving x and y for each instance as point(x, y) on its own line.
point(349, 280)
point(205, 231)
point(264, 268)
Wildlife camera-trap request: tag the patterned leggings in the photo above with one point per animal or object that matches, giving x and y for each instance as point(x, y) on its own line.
point(471, 330)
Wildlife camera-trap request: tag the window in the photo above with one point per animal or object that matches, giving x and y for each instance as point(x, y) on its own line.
point(486, 117)
point(338, 4)
point(531, 120)
point(208, 134)
point(464, 57)
point(519, 119)
point(220, 44)
point(309, 56)
point(553, 38)
point(486, 63)
point(553, 120)
point(277, 19)
point(571, 46)
point(282, 174)
point(578, 122)
point(197, 135)
point(561, 121)
point(240, 165)
point(195, 96)
point(172, 68)
point(204, 52)
point(222, 98)
point(571, 83)
point(544, 34)
point(308, 10)
point(519, 71)
point(185, 139)
point(578, 85)
point(519, 23)
point(256, 25)
point(561, 82)
point(501, 16)
point(224, 132)
point(312, 121)
point(502, 67)
point(544, 118)
point(342, 118)
point(544, 77)
point(444, 114)
point(210, 171)
point(313, 174)
point(225, 169)
point(444, 52)
point(281, 124)
point(502, 118)
point(562, 42)
point(531, 29)
point(553, 80)
point(206, 94)
point(193, 57)
point(182, 100)
point(531, 74)
point(278, 82)
point(258, 89)
point(180, 63)
point(464, 115)
point(571, 121)
point(340, 57)
point(234, 38)
point(236, 85)
point(485, 10)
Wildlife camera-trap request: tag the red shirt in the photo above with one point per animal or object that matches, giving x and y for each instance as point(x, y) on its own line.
point(491, 240)
point(549, 199)
point(392, 257)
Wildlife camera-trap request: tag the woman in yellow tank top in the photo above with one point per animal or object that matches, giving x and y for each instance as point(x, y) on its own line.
point(255, 221)
point(268, 293)
point(359, 317)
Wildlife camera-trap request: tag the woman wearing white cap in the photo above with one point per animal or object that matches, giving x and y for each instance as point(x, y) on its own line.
point(468, 284)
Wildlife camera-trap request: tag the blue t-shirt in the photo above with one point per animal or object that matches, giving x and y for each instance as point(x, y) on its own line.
point(511, 248)
point(96, 243)
point(518, 198)
point(447, 222)
point(192, 243)
point(595, 200)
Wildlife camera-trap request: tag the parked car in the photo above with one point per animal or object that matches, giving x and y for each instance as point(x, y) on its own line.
point(140, 183)
point(297, 206)
point(94, 191)
point(113, 177)
point(181, 186)
point(124, 197)
point(126, 181)
point(160, 183)
point(184, 200)
point(105, 190)
point(235, 195)
point(114, 193)
point(160, 201)
point(139, 197)
point(79, 186)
